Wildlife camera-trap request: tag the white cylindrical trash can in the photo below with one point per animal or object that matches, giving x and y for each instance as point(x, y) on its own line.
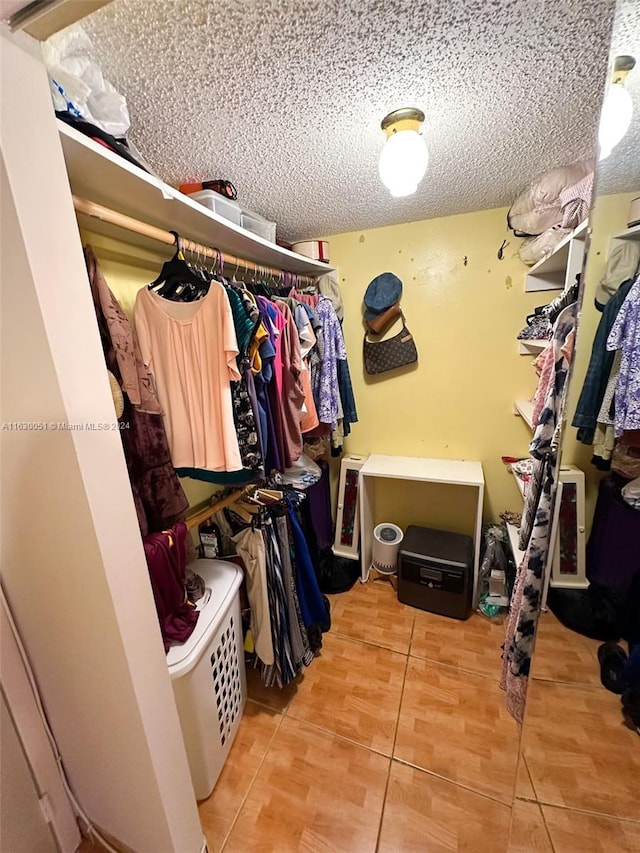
point(208, 675)
point(386, 542)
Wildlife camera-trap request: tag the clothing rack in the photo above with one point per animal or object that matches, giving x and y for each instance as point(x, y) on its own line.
point(203, 514)
point(121, 220)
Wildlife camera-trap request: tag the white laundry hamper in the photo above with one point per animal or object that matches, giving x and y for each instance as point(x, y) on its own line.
point(208, 675)
point(384, 552)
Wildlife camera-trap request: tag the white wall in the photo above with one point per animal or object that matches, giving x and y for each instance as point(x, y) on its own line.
point(24, 829)
point(73, 567)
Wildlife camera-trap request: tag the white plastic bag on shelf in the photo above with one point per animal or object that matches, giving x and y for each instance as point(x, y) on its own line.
point(534, 249)
point(302, 474)
point(77, 83)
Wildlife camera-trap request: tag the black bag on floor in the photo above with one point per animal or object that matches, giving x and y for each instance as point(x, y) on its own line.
point(336, 574)
point(587, 611)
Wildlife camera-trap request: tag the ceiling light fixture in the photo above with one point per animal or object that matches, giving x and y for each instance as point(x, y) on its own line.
point(404, 158)
point(617, 108)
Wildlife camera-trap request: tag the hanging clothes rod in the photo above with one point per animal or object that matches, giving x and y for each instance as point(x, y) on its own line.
point(203, 514)
point(98, 211)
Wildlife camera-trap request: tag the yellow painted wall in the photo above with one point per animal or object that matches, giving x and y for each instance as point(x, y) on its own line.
point(457, 403)
point(609, 217)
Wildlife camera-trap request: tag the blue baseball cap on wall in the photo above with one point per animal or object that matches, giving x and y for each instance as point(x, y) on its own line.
point(381, 293)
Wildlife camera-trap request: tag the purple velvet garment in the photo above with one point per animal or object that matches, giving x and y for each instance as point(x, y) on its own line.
point(165, 553)
point(319, 497)
point(613, 549)
point(158, 496)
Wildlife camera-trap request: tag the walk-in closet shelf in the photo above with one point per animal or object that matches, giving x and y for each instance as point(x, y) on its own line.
point(520, 483)
point(524, 408)
point(629, 234)
point(559, 269)
point(531, 347)
point(103, 177)
point(514, 538)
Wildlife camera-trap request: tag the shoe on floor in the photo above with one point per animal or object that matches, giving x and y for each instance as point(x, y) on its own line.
point(613, 659)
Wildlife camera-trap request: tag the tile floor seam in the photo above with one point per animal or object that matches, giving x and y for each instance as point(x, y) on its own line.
point(457, 784)
point(404, 681)
point(384, 803)
point(368, 643)
point(526, 767)
point(495, 678)
point(253, 779)
point(580, 684)
point(542, 802)
point(281, 713)
point(335, 734)
point(546, 827)
point(631, 820)
point(393, 745)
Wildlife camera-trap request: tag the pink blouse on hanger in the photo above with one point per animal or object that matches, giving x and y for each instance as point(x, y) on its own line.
point(191, 349)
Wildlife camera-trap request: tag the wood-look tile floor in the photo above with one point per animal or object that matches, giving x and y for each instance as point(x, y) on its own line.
point(395, 739)
point(579, 768)
point(562, 655)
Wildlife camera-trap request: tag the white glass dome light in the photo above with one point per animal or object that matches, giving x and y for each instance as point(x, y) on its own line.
point(404, 158)
point(617, 109)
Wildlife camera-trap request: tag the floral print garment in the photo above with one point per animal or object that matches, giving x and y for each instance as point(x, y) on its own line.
point(525, 600)
point(325, 378)
point(625, 336)
point(549, 418)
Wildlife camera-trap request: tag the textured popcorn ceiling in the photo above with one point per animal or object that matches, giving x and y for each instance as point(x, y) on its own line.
point(620, 172)
point(285, 98)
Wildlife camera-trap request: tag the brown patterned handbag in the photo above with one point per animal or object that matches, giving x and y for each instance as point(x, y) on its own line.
point(398, 351)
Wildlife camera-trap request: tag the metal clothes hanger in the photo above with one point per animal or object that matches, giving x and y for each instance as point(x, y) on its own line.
point(193, 292)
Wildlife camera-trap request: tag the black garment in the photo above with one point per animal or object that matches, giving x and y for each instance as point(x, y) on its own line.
point(118, 146)
point(613, 549)
point(589, 612)
point(245, 421)
point(336, 574)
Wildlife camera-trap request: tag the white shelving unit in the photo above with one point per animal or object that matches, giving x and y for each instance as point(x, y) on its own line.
point(532, 347)
point(100, 176)
point(514, 538)
point(452, 472)
point(520, 483)
point(559, 269)
point(347, 536)
point(570, 492)
point(629, 234)
point(524, 408)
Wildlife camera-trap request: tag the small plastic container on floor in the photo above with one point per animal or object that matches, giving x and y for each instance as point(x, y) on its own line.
point(208, 675)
